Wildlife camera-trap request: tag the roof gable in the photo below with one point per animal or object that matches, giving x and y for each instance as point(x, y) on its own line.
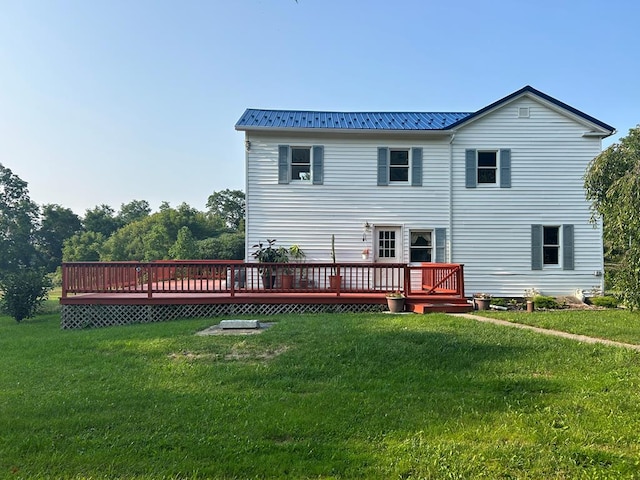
point(530, 91)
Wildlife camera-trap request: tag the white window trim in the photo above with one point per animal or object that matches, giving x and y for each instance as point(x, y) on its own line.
point(496, 184)
point(552, 266)
point(389, 167)
point(432, 231)
point(291, 164)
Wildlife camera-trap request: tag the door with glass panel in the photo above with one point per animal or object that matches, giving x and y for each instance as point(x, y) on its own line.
point(388, 250)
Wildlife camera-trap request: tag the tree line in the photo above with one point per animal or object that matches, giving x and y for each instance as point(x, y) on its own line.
point(35, 240)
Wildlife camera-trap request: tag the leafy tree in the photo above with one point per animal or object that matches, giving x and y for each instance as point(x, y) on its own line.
point(612, 184)
point(57, 225)
point(156, 243)
point(24, 290)
point(18, 220)
point(101, 219)
point(133, 211)
point(83, 247)
point(229, 206)
point(128, 243)
point(227, 246)
point(151, 237)
point(185, 247)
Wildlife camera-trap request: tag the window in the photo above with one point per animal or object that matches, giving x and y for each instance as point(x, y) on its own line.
point(386, 244)
point(551, 245)
point(421, 246)
point(398, 166)
point(487, 167)
point(300, 163)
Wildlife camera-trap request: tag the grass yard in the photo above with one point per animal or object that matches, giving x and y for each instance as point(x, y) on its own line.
point(618, 325)
point(315, 396)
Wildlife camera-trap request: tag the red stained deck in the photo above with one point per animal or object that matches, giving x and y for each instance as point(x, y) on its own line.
point(427, 287)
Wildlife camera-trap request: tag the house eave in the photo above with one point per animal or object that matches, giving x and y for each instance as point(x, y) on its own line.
point(592, 134)
point(361, 131)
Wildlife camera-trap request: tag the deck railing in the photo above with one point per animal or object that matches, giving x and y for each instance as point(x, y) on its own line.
point(236, 277)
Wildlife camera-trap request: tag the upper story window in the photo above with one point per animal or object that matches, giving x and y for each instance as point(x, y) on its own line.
point(300, 163)
point(488, 168)
point(398, 166)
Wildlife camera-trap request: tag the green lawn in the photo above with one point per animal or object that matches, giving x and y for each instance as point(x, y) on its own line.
point(314, 396)
point(617, 325)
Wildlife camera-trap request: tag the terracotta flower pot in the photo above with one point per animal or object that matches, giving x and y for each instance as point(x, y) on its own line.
point(395, 304)
point(483, 303)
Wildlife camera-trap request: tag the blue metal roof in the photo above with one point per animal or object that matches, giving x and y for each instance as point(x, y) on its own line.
point(416, 121)
point(253, 118)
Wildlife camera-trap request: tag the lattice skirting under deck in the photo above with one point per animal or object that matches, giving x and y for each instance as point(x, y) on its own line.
point(89, 316)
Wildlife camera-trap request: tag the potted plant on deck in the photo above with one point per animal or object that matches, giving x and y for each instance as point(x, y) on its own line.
point(269, 254)
point(395, 301)
point(297, 255)
point(365, 253)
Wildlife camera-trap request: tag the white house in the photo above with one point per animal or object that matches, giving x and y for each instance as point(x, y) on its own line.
point(499, 190)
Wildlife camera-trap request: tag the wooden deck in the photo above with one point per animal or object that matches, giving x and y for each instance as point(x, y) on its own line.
point(238, 286)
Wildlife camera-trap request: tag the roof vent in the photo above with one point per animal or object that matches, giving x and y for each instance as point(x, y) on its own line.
point(523, 112)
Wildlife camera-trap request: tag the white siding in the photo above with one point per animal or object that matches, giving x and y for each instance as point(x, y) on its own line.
point(307, 215)
point(491, 231)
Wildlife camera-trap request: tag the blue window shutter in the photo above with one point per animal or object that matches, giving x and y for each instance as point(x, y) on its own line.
point(318, 164)
point(441, 245)
point(567, 247)
point(536, 247)
point(471, 168)
point(416, 167)
point(505, 168)
point(283, 164)
point(383, 166)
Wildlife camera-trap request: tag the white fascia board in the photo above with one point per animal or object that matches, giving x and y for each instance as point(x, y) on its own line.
point(361, 131)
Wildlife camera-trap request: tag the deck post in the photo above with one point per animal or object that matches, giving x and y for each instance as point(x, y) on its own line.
point(149, 281)
point(64, 281)
point(407, 280)
point(232, 279)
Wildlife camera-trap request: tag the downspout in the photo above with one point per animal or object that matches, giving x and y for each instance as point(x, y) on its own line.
point(247, 147)
point(450, 235)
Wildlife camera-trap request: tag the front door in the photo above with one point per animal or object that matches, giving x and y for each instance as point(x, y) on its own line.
point(388, 250)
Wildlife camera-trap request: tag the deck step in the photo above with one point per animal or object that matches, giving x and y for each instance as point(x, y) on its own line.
point(425, 307)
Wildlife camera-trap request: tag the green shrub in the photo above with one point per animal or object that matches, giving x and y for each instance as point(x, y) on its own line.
point(543, 301)
point(501, 302)
point(605, 301)
point(23, 292)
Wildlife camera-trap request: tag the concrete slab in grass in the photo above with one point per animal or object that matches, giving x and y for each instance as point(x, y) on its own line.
point(239, 324)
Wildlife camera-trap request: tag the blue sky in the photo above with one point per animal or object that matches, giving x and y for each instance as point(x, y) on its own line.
point(107, 101)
